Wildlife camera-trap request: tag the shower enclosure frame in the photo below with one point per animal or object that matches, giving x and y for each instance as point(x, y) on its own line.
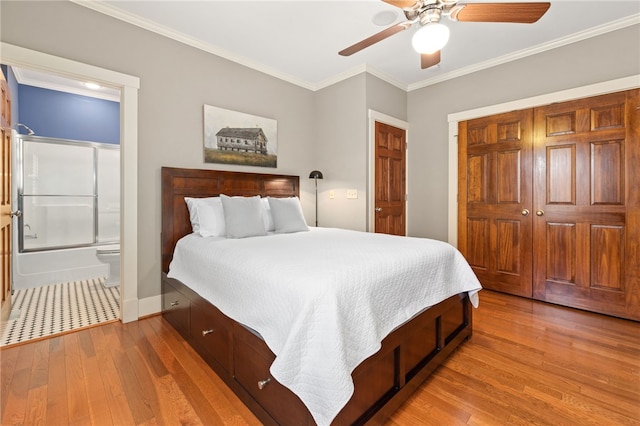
point(19, 189)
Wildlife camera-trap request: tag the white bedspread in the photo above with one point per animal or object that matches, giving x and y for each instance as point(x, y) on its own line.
point(322, 300)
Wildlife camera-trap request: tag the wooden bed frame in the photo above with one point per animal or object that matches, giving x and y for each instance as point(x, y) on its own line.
point(382, 382)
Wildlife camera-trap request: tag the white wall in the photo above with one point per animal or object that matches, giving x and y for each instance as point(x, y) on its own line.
point(339, 152)
point(342, 149)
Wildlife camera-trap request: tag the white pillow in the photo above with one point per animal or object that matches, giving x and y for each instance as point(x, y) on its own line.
point(207, 216)
point(243, 216)
point(287, 215)
point(266, 215)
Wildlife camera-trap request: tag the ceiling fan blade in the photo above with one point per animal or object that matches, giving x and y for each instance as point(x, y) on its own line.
point(401, 3)
point(375, 38)
point(429, 59)
point(520, 13)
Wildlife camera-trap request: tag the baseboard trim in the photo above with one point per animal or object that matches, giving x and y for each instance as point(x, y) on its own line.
point(129, 310)
point(149, 306)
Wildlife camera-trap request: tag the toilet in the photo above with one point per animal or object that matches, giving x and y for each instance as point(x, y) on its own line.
point(110, 254)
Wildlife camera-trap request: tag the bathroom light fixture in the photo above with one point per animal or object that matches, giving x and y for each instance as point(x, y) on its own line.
point(430, 38)
point(92, 86)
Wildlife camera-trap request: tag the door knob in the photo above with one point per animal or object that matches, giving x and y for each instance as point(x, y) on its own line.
point(539, 212)
point(525, 212)
point(378, 209)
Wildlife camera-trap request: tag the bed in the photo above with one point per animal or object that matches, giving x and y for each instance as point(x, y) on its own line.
point(399, 357)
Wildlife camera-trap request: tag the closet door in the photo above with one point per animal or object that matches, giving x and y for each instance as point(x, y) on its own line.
point(586, 205)
point(495, 191)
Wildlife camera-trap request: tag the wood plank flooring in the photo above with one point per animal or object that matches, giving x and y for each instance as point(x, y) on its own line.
point(527, 363)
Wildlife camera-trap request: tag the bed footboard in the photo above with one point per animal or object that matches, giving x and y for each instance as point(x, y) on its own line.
point(382, 382)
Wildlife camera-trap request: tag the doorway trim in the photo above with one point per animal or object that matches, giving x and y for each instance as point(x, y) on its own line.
point(371, 172)
point(128, 85)
point(609, 86)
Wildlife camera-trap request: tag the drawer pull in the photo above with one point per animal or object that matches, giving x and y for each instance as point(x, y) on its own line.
point(176, 303)
point(205, 332)
point(263, 383)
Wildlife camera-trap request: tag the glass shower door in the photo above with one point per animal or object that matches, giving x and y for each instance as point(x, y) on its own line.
point(58, 196)
point(108, 172)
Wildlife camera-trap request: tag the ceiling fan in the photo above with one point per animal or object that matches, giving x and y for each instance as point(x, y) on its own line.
point(432, 36)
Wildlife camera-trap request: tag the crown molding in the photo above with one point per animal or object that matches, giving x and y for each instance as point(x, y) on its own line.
point(114, 12)
point(573, 38)
point(362, 68)
point(162, 30)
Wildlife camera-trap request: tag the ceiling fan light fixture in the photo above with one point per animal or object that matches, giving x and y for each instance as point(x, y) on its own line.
point(430, 38)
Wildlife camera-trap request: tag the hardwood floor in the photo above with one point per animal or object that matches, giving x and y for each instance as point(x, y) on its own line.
point(530, 362)
point(527, 363)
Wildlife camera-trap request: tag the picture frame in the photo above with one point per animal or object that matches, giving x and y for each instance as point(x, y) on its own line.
point(232, 137)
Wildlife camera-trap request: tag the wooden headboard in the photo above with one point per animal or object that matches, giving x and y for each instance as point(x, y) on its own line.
point(179, 183)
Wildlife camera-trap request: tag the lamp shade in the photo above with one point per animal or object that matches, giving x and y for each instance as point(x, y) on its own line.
point(430, 38)
point(316, 174)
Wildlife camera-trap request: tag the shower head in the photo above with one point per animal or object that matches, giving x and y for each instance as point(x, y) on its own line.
point(29, 131)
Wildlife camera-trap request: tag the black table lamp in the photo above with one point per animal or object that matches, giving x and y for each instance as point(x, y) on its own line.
point(315, 175)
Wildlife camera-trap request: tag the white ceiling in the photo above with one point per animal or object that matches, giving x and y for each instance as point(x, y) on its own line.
point(299, 40)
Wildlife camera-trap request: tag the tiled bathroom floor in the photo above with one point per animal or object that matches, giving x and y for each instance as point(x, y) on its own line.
point(56, 308)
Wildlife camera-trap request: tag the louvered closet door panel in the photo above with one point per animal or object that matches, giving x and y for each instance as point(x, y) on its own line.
point(586, 221)
point(495, 228)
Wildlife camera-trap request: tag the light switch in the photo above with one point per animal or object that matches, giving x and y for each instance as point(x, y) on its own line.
point(332, 195)
point(352, 193)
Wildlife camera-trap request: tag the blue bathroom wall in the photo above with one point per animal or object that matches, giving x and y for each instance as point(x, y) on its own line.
point(63, 115)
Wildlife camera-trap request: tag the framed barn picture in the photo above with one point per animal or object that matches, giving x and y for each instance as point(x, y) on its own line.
point(232, 137)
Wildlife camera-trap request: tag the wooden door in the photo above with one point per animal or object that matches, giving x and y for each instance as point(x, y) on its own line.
point(390, 179)
point(5, 200)
point(587, 204)
point(494, 192)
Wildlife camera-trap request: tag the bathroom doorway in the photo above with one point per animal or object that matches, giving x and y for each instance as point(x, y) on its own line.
point(66, 186)
point(128, 86)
